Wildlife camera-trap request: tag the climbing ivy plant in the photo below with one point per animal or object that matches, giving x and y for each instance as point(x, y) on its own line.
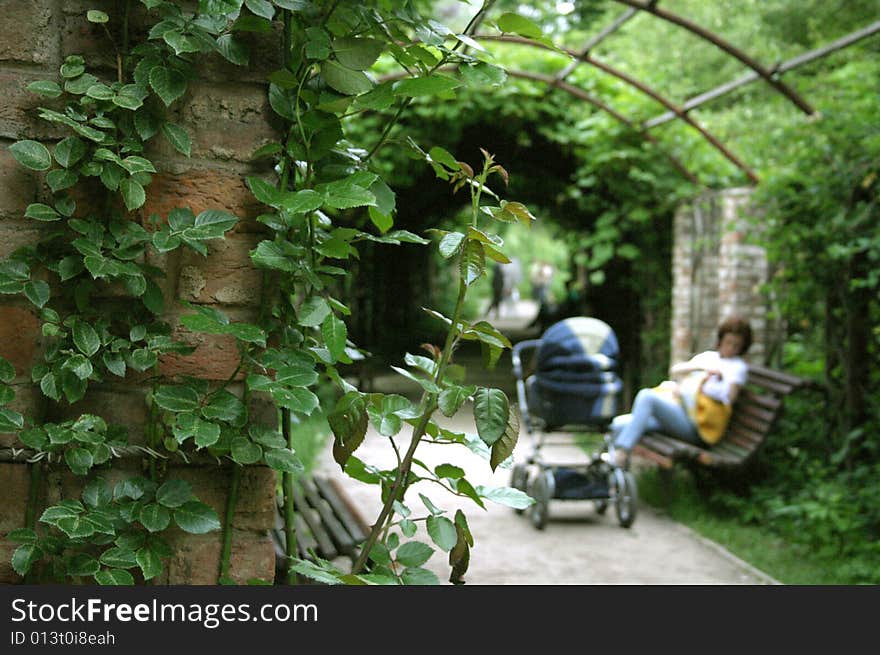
point(325, 197)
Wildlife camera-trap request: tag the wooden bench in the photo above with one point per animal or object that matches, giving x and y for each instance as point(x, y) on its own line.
point(327, 523)
point(755, 412)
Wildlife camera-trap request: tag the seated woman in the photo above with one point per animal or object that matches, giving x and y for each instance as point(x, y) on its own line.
point(671, 407)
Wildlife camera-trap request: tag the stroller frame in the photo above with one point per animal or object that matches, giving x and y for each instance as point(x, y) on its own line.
point(603, 483)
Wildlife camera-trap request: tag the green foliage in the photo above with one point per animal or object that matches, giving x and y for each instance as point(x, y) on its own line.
point(113, 530)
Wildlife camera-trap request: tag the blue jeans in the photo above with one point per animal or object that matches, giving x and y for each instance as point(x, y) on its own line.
point(653, 412)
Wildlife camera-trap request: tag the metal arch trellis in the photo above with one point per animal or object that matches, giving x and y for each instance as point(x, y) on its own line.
point(581, 94)
point(729, 48)
point(585, 57)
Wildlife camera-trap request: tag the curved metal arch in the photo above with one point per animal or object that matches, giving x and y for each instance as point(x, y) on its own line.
point(727, 47)
point(677, 110)
point(579, 93)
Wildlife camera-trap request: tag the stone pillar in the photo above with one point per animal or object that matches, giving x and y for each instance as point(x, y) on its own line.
point(716, 273)
point(227, 115)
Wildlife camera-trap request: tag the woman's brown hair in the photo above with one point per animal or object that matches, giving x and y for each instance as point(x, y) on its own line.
point(737, 325)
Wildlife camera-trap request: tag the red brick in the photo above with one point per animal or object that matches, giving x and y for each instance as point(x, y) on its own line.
point(15, 479)
point(18, 186)
point(28, 32)
point(228, 122)
point(19, 337)
point(226, 276)
point(18, 111)
point(216, 356)
point(29, 402)
point(255, 509)
point(15, 234)
point(119, 406)
point(201, 189)
point(196, 559)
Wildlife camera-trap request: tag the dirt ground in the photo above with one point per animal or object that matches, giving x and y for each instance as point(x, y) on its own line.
point(577, 547)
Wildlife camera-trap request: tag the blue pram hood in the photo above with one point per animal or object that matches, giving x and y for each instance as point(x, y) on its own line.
point(575, 380)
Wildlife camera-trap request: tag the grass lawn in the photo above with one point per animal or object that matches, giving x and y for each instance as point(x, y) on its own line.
point(792, 564)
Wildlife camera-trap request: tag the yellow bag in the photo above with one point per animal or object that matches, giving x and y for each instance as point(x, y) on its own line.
point(711, 417)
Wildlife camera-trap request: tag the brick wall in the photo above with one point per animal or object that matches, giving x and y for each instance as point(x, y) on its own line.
point(227, 116)
point(716, 273)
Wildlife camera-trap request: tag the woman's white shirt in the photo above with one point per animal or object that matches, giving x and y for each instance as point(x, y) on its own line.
point(734, 370)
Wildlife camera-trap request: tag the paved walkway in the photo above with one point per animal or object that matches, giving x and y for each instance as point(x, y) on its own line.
point(578, 546)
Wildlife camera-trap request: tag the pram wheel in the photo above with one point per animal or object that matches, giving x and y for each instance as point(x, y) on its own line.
point(601, 506)
point(625, 495)
point(519, 479)
point(542, 490)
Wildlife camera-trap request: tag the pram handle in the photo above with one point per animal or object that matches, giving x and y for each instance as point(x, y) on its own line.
point(516, 357)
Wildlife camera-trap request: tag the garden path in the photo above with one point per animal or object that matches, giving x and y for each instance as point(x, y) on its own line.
point(578, 546)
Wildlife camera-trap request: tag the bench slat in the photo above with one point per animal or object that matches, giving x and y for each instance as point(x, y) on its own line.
point(759, 425)
point(768, 402)
point(326, 549)
point(762, 372)
point(750, 409)
point(355, 525)
point(337, 532)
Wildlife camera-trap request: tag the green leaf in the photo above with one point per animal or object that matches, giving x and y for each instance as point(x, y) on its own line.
point(24, 557)
point(167, 83)
point(45, 88)
point(154, 517)
point(174, 493)
point(335, 333)
point(76, 527)
point(261, 8)
point(69, 151)
point(7, 371)
point(85, 338)
point(10, 420)
point(343, 79)
point(503, 448)
point(442, 532)
point(82, 565)
point(225, 406)
point(114, 577)
point(149, 562)
point(37, 292)
point(60, 179)
point(142, 359)
point(302, 202)
point(346, 194)
point(491, 412)
point(79, 460)
point(506, 496)
point(357, 53)
point(95, 16)
point(510, 22)
point(270, 254)
point(177, 398)
point(177, 137)
point(349, 423)
point(313, 311)
point(196, 518)
point(419, 576)
point(244, 451)
point(233, 50)
point(413, 553)
point(452, 398)
point(132, 193)
point(283, 459)
point(119, 558)
point(40, 212)
point(450, 244)
point(97, 494)
point(473, 262)
point(31, 154)
point(432, 85)
point(211, 224)
point(115, 363)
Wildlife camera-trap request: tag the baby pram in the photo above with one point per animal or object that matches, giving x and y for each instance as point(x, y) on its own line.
point(571, 386)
